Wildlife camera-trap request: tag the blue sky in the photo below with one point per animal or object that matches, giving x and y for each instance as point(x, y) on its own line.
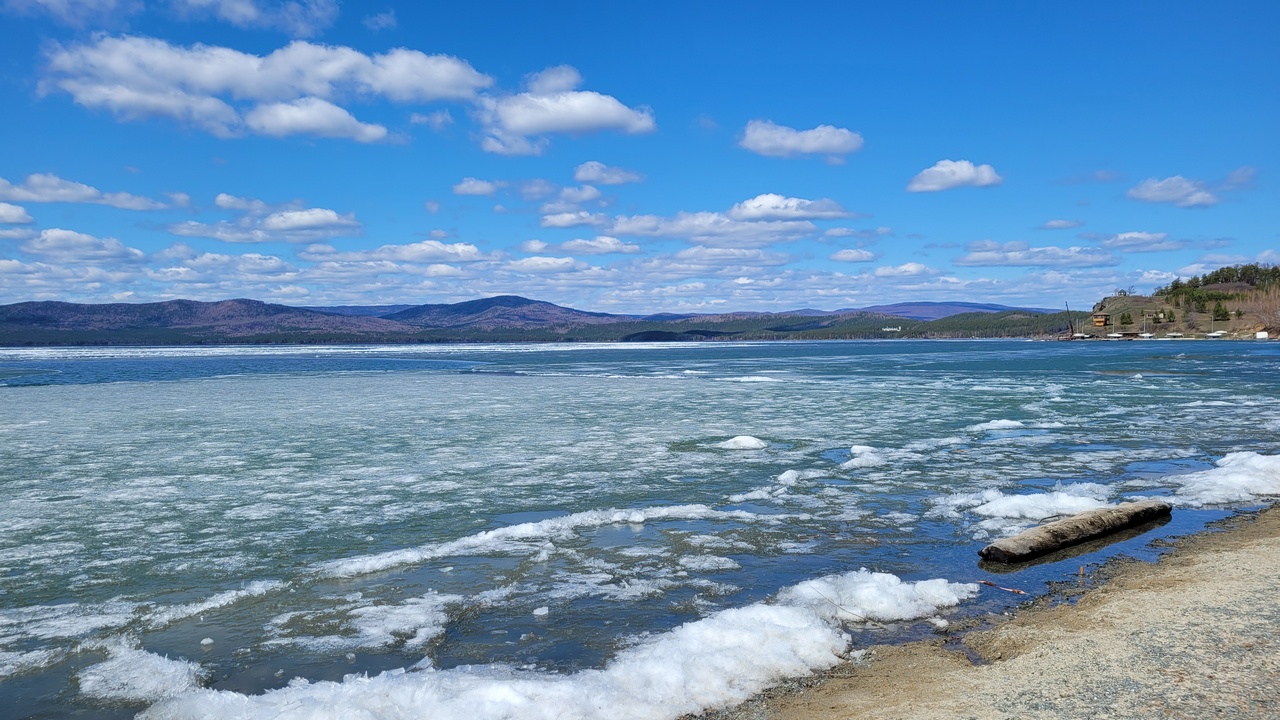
point(640, 158)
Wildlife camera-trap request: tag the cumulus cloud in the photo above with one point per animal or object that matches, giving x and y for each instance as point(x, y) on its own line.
point(299, 18)
point(47, 187)
point(947, 174)
point(69, 246)
point(225, 92)
point(1140, 242)
point(601, 245)
point(572, 219)
point(771, 206)
point(855, 255)
point(987, 253)
point(1177, 190)
point(703, 261)
point(516, 124)
point(537, 189)
point(541, 264)
point(713, 229)
point(906, 270)
point(1061, 224)
point(764, 137)
point(594, 171)
point(426, 251)
point(584, 193)
point(311, 116)
point(14, 215)
point(474, 186)
point(309, 219)
point(261, 222)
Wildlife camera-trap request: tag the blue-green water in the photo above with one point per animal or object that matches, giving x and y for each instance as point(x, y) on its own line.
point(318, 511)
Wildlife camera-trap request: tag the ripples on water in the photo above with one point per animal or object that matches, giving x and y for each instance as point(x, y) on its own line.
point(316, 512)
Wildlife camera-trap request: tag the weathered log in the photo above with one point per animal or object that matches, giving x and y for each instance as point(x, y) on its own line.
point(1088, 525)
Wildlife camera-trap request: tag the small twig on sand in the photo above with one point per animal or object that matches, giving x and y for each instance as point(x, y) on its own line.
point(1015, 591)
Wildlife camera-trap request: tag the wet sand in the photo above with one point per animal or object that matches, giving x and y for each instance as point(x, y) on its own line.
point(1196, 635)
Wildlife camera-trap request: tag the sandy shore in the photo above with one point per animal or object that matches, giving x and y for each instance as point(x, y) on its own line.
point(1196, 635)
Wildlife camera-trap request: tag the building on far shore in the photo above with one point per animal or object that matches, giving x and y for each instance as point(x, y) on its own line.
point(1101, 319)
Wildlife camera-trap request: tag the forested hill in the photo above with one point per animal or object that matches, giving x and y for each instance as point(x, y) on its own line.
point(499, 319)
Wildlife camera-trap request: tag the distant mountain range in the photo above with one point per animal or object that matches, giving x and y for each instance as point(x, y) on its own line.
point(496, 319)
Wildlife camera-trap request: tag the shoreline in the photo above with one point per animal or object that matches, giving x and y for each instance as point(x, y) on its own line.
point(1195, 634)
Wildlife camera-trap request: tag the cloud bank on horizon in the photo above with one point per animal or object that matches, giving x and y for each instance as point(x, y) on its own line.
point(309, 152)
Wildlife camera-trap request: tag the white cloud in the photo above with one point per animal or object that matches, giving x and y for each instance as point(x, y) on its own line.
point(764, 137)
point(438, 120)
point(871, 234)
point(601, 245)
point(986, 253)
point(217, 268)
point(542, 264)
point(514, 124)
point(553, 80)
point(906, 270)
point(572, 219)
point(261, 222)
point(537, 189)
point(426, 251)
point(293, 89)
point(533, 246)
point(381, 21)
point(1061, 224)
point(947, 174)
point(309, 219)
point(16, 233)
point(1241, 177)
point(299, 18)
point(14, 214)
point(47, 187)
point(474, 186)
point(1176, 190)
point(1141, 242)
point(585, 193)
point(703, 261)
point(711, 228)
point(853, 255)
point(68, 246)
point(76, 13)
point(771, 206)
point(248, 205)
point(594, 171)
point(311, 116)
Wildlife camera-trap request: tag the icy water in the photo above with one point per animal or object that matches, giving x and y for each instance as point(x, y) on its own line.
point(562, 531)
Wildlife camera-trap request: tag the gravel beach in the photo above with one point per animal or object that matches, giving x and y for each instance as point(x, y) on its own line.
point(1196, 635)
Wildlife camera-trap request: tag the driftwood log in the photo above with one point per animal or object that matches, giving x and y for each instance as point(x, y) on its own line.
point(1088, 525)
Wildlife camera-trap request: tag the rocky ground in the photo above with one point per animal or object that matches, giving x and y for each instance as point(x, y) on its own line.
point(1196, 635)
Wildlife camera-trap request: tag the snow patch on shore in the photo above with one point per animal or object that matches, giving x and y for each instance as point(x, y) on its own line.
point(1238, 477)
point(714, 662)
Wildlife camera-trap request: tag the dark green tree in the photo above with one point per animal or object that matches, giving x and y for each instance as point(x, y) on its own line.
point(1220, 312)
point(1126, 319)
